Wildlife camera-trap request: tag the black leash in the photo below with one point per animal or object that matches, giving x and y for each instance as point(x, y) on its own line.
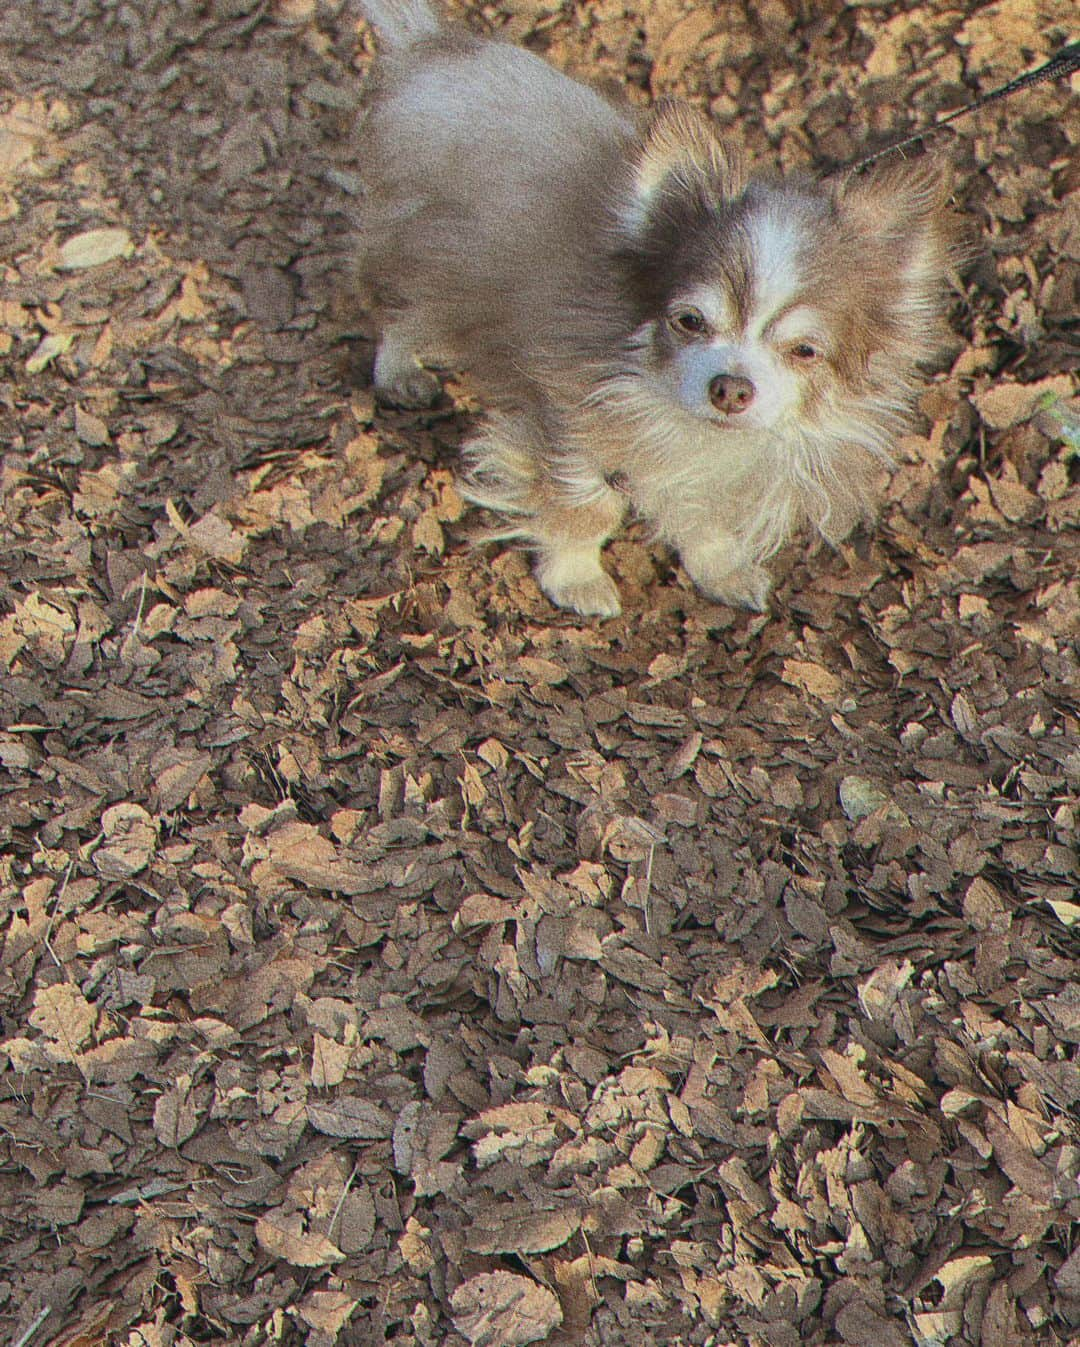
point(1064, 63)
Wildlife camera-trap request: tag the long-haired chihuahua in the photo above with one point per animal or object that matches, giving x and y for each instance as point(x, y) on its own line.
point(651, 328)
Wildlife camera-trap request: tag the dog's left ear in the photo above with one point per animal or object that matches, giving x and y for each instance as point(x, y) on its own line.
point(903, 204)
point(680, 152)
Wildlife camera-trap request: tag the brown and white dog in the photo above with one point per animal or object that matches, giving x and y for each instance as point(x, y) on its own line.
point(651, 329)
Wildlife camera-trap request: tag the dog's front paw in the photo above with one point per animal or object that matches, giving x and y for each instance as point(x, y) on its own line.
point(575, 579)
point(415, 388)
point(740, 586)
point(749, 588)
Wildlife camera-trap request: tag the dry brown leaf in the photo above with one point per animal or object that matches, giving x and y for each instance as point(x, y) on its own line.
point(427, 533)
point(329, 1062)
point(299, 852)
point(46, 627)
point(94, 248)
point(90, 429)
point(1007, 404)
point(47, 350)
point(1030, 1175)
point(285, 1236)
point(65, 1016)
point(502, 1309)
point(505, 1229)
point(175, 782)
point(811, 678)
point(352, 1117)
point(175, 1116)
point(327, 1312)
point(860, 797)
point(679, 46)
point(212, 535)
point(130, 841)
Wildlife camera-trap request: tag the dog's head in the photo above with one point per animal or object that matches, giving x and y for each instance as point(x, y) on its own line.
point(761, 303)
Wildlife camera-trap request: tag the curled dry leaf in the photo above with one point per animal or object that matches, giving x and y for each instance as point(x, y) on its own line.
point(56, 343)
point(860, 797)
point(130, 840)
point(45, 627)
point(175, 1115)
point(327, 1312)
point(298, 851)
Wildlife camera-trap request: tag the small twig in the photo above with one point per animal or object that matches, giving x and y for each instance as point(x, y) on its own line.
point(33, 1327)
point(648, 888)
point(341, 1201)
point(139, 612)
point(52, 919)
point(145, 1192)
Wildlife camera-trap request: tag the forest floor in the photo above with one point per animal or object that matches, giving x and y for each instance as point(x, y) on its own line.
point(389, 958)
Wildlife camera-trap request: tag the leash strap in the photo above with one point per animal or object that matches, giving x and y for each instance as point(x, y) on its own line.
point(1064, 63)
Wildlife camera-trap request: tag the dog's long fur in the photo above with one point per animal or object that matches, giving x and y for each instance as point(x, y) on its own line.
point(518, 225)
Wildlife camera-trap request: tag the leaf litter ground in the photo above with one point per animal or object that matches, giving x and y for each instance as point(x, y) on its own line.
point(388, 958)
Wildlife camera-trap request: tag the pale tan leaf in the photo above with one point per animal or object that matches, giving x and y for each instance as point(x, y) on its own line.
point(427, 533)
point(284, 1236)
point(95, 247)
point(130, 841)
point(502, 1309)
point(812, 678)
point(860, 797)
point(65, 1016)
point(56, 343)
point(327, 1311)
point(329, 1062)
point(212, 535)
point(1007, 404)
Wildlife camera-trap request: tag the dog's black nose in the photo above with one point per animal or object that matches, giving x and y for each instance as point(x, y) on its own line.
point(730, 393)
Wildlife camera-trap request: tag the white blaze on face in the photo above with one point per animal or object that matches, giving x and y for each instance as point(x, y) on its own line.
point(775, 244)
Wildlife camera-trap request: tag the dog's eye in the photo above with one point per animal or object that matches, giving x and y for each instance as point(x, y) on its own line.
point(804, 351)
point(689, 321)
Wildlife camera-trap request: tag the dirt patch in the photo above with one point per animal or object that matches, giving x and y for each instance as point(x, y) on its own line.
point(388, 958)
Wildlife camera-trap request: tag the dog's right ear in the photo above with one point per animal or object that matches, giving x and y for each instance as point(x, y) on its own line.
point(680, 153)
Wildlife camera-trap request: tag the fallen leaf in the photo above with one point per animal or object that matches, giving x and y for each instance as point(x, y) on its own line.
point(1007, 404)
point(95, 247)
point(65, 1016)
point(860, 797)
point(284, 1236)
point(811, 678)
point(130, 841)
point(348, 1116)
point(329, 1062)
point(502, 1309)
point(175, 1115)
point(327, 1312)
point(51, 346)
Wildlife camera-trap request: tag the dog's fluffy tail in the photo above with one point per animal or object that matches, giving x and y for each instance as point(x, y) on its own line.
point(400, 23)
